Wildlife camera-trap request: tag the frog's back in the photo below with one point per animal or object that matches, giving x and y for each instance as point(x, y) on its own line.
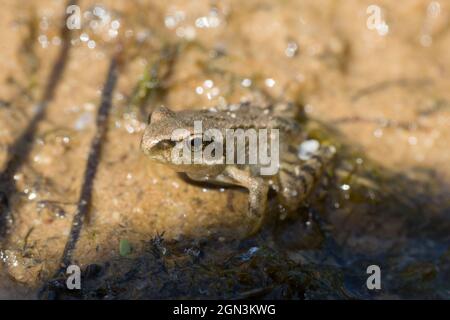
point(246, 116)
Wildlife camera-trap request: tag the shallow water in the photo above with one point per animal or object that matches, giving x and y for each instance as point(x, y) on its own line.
point(379, 94)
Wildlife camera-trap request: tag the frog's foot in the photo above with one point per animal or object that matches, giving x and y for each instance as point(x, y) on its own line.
point(258, 192)
point(298, 180)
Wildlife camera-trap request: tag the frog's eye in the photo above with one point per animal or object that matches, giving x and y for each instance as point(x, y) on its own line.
point(195, 144)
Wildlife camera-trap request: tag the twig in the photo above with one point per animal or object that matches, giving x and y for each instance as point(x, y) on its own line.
point(92, 164)
point(47, 290)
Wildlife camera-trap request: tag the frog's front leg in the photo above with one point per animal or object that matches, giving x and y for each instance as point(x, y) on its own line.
point(258, 193)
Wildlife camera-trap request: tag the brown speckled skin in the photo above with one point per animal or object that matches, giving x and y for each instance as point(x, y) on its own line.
point(295, 178)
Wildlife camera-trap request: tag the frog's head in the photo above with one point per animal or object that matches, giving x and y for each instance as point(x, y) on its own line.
point(170, 134)
point(157, 142)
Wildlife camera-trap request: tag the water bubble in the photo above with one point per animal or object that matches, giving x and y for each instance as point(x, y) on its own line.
point(307, 149)
point(104, 16)
point(173, 19)
point(129, 33)
point(186, 32)
point(199, 90)
point(141, 36)
point(93, 24)
point(43, 40)
point(32, 196)
point(246, 82)
point(378, 133)
point(249, 254)
point(382, 28)
point(56, 41)
point(208, 83)
point(170, 22)
point(345, 187)
point(212, 20)
point(99, 11)
point(44, 23)
point(213, 93)
point(208, 89)
point(91, 44)
point(84, 37)
point(309, 108)
point(112, 33)
point(115, 24)
point(269, 82)
point(131, 124)
point(412, 140)
point(426, 40)
point(291, 49)
point(87, 15)
point(434, 9)
point(85, 120)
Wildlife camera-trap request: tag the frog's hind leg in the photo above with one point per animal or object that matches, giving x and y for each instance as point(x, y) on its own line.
point(298, 180)
point(258, 192)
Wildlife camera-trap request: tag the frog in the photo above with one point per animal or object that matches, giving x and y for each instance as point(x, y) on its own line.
point(295, 177)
